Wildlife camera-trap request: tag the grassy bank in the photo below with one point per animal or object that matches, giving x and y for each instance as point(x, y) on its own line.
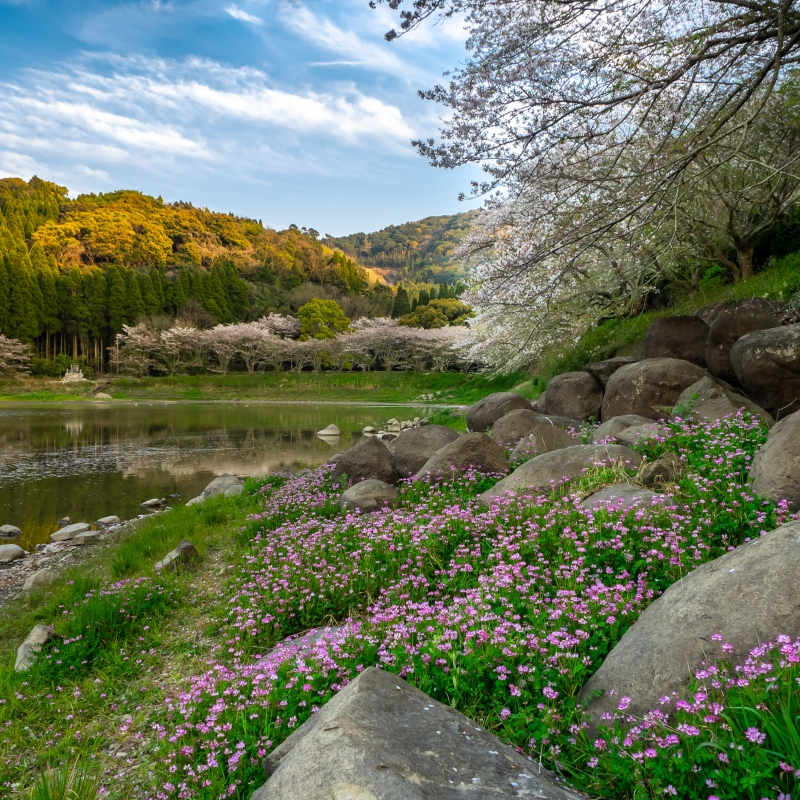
point(154, 687)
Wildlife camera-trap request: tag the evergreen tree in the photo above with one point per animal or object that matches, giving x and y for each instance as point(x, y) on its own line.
point(236, 292)
point(117, 298)
point(434, 294)
point(158, 277)
point(151, 306)
point(96, 289)
point(4, 302)
point(401, 305)
point(133, 295)
point(424, 297)
point(22, 321)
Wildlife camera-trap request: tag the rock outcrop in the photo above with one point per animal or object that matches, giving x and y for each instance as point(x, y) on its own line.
point(549, 470)
point(767, 364)
point(680, 337)
point(748, 596)
point(603, 370)
point(648, 388)
point(369, 495)
point(472, 450)
point(368, 459)
point(487, 411)
point(775, 473)
point(415, 446)
point(381, 739)
point(577, 395)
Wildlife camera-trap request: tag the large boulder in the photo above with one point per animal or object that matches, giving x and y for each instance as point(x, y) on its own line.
point(648, 388)
point(710, 401)
point(368, 459)
point(775, 472)
point(10, 552)
point(381, 739)
point(749, 596)
point(474, 450)
point(621, 495)
point(369, 495)
point(29, 649)
point(710, 312)
point(486, 412)
point(544, 438)
point(573, 394)
point(767, 364)
point(728, 328)
point(642, 433)
point(415, 446)
point(547, 471)
point(610, 429)
point(515, 425)
point(603, 370)
point(682, 337)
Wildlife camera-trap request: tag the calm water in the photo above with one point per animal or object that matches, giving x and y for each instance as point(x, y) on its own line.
point(87, 462)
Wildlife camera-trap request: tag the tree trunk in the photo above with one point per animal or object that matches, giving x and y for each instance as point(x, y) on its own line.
point(745, 258)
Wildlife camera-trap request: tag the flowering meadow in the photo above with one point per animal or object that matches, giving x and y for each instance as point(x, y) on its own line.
point(501, 611)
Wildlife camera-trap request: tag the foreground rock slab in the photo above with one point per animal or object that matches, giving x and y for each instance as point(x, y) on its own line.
point(381, 739)
point(749, 596)
point(547, 471)
point(370, 495)
point(475, 450)
point(70, 532)
point(29, 649)
point(487, 411)
point(776, 467)
point(415, 446)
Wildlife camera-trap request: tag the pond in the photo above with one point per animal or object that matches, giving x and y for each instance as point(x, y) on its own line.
point(90, 461)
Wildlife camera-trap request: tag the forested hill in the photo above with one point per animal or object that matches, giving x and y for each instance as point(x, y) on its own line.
point(73, 272)
point(418, 251)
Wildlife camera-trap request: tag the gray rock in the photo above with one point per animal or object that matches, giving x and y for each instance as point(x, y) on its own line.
point(335, 458)
point(603, 370)
point(10, 552)
point(544, 438)
point(10, 530)
point(369, 431)
point(711, 401)
point(648, 388)
point(642, 433)
point(109, 521)
point(88, 537)
point(381, 739)
point(70, 531)
point(221, 486)
point(749, 596)
point(154, 502)
point(183, 554)
point(775, 472)
point(549, 470)
point(622, 495)
point(368, 459)
point(415, 446)
point(667, 468)
point(233, 491)
point(681, 337)
point(515, 425)
point(474, 450)
point(28, 650)
point(573, 394)
point(331, 430)
point(610, 429)
point(709, 313)
point(728, 328)
point(39, 579)
point(487, 411)
point(767, 364)
point(370, 495)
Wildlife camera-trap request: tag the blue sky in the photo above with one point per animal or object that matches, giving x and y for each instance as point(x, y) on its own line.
point(282, 110)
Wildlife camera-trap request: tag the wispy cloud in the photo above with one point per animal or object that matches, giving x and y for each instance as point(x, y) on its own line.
point(238, 13)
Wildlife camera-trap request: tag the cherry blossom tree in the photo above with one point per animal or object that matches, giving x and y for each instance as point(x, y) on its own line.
point(15, 357)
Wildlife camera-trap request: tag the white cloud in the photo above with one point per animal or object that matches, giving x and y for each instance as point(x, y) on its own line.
point(240, 14)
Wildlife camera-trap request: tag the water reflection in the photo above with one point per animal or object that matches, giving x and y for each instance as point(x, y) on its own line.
point(97, 460)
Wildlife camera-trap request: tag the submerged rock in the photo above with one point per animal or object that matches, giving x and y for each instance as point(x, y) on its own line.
point(10, 530)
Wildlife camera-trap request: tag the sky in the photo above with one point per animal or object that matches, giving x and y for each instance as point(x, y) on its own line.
point(287, 111)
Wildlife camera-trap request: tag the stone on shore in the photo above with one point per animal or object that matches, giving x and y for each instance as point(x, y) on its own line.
point(155, 502)
point(39, 579)
point(748, 596)
point(331, 430)
point(29, 649)
point(368, 459)
point(112, 520)
point(10, 530)
point(88, 537)
point(381, 739)
point(549, 470)
point(10, 552)
point(368, 496)
point(183, 554)
point(472, 450)
point(775, 473)
point(415, 446)
point(70, 531)
point(487, 411)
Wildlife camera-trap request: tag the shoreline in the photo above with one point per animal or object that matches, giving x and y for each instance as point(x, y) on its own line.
point(246, 402)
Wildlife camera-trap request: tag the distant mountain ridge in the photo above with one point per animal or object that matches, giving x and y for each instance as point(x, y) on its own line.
point(421, 251)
